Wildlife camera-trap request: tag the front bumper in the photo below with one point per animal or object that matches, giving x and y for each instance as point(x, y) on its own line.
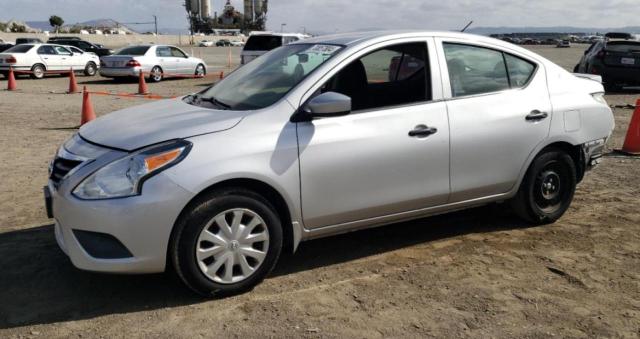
point(142, 224)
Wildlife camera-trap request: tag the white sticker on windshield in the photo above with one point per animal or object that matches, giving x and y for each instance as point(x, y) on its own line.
point(323, 49)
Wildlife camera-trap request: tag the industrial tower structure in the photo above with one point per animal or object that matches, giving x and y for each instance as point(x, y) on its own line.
point(201, 21)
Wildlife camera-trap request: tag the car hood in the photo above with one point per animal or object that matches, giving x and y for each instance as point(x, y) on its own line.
point(139, 126)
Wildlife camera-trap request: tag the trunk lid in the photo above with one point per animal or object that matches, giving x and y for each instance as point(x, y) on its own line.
point(116, 61)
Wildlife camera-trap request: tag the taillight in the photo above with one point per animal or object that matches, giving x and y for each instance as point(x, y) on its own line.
point(11, 60)
point(133, 63)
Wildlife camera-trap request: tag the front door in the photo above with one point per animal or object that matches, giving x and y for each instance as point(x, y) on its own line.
point(390, 155)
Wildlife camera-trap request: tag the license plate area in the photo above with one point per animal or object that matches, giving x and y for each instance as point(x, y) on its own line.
point(628, 61)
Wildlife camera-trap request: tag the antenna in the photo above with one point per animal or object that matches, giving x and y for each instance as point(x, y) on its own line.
point(467, 26)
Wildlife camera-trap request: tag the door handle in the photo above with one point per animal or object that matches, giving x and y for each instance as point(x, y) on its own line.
point(422, 131)
point(536, 115)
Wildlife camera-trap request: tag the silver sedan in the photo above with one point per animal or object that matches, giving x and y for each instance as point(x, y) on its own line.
point(156, 61)
point(320, 137)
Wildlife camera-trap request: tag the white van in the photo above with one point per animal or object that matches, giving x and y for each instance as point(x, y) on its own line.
point(260, 43)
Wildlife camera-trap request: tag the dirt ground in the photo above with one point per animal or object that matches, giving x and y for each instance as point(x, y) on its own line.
point(478, 273)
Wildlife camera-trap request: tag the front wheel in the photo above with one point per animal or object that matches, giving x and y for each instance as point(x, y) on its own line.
point(226, 242)
point(547, 189)
point(200, 71)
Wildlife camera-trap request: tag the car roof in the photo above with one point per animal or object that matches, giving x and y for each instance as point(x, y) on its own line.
point(360, 37)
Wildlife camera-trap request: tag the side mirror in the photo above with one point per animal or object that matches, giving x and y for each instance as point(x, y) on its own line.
point(325, 105)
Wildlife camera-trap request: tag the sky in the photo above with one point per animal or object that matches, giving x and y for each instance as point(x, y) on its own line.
point(329, 16)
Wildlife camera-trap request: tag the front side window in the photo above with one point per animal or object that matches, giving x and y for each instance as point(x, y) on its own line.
point(270, 77)
point(62, 51)
point(394, 75)
point(475, 70)
point(177, 53)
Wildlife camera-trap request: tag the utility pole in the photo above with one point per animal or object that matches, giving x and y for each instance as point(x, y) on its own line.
point(155, 22)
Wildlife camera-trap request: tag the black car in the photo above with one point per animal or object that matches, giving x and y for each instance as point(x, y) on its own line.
point(616, 59)
point(83, 45)
point(223, 42)
point(20, 41)
point(4, 47)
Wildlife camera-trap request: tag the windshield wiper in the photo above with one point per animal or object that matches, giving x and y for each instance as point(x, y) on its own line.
point(200, 98)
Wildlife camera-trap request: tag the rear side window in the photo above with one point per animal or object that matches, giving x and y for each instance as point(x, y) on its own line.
point(133, 50)
point(263, 42)
point(49, 50)
point(19, 49)
point(520, 70)
point(475, 70)
point(163, 51)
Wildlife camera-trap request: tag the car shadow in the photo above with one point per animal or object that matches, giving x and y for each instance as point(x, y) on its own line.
point(39, 284)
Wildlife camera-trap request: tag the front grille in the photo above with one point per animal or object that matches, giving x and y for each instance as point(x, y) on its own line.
point(61, 167)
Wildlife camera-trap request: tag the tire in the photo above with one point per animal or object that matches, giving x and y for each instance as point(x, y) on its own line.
point(90, 69)
point(208, 274)
point(200, 71)
point(37, 71)
point(547, 189)
point(156, 74)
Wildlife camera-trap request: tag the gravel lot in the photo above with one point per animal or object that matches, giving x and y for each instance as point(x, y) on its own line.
point(478, 273)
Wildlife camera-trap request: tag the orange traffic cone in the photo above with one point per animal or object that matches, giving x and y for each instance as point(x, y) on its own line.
point(73, 85)
point(12, 85)
point(142, 84)
point(632, 141)
point(87, 108)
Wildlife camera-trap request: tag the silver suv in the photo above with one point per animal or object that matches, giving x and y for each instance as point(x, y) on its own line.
point(320, 137)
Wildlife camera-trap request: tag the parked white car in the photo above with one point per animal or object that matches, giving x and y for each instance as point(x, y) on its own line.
point(237, 43)
point(41, 59)
point(320, 137)
point(156, 61)
point(206, 43)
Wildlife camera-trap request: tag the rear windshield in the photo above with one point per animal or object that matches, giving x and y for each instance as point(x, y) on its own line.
point(623, 46)
point(263, 43)
point(134, 50)
point(19, 49)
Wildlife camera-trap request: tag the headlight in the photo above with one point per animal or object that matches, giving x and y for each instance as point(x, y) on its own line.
point(599, 97)
point(124, 177)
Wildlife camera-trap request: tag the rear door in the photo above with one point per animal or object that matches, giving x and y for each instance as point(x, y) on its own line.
point(499, 112)
point(166, 60)
point(50, 58)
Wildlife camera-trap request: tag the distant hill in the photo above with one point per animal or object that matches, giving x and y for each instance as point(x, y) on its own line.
point(555, 29)
point(100, 23)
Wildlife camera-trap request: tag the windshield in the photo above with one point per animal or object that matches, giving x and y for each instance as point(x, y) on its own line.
point(19, 49)
point(134, 50)
point(267, 79)
point(263, 42)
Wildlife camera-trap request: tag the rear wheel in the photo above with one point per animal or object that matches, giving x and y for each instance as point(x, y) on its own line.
point(226, 243)
point(547, 189)
point(90, 69)
point(37, 71)
point(156, 74)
